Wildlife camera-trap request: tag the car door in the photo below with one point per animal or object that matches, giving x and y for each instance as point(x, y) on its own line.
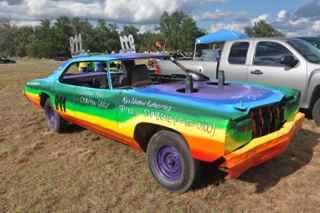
point(267, 67)
point(92, 108)
point(236, 63)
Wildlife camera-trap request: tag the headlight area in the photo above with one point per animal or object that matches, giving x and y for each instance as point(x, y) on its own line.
point(239, 133)
point(291, 105)
point(261, 121)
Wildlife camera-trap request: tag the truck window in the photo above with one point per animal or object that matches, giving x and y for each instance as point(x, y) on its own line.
point(308, 51)
point(270, 53)
point(238, 53)
point(208, 52)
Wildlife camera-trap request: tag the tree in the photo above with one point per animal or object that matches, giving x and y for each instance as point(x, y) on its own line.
point(23, 38)
point(7, 35)
point(262, 29)
point(102, 36)
point(43, 43)
point(51, 39)
point(180, 30)
point(148, 40)
point(62, 31)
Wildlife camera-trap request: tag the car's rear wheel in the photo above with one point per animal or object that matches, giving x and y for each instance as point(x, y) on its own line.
point(170, 161)
point(54, 122)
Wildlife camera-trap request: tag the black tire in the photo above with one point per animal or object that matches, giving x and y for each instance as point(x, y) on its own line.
point(170, 161)
point(316, 112)
point(54, 122)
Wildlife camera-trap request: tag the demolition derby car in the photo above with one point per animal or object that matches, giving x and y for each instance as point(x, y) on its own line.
point(178, 122)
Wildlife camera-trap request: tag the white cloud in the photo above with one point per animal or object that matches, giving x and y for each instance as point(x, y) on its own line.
point(53, 9)
point(147, 28)
point(316, 26)
point(217, 15)
point(129, 11)
point(35, 7)
point(139, 10)
point(26, 23)
point(28, 12)
point(263, 17)
point(232, 26)
point(301, 23)
point(283, 15)
point(145, 10)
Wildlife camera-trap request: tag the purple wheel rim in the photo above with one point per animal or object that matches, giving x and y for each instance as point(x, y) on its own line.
point(168, 163)
point(50, 117)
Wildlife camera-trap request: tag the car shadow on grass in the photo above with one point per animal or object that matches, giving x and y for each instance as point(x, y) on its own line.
point(267, 175)
point(72, 128)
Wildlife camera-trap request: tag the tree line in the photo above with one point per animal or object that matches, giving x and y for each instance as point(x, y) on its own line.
point(176, 31)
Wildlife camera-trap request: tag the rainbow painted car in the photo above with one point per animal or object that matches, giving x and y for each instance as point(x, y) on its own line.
point(238, 125)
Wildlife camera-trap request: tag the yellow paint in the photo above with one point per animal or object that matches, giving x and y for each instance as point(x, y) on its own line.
point(286, 129)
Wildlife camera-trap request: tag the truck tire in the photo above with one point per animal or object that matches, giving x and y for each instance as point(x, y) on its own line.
point(54, 122)
point(316, 112)
point(170, 161)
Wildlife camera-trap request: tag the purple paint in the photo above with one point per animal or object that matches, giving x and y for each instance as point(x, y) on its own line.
point(51, 117)
point(232, 92)
point(168, 163)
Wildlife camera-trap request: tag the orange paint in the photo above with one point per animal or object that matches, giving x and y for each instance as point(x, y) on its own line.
point(205, 149)
point(34, 99)
point(238, 162)
point(102, 131)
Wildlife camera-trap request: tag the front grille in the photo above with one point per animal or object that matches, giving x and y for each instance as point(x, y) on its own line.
point(267, 119)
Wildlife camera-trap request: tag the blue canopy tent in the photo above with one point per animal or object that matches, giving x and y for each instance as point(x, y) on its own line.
point(220, 36)
point(217, 37)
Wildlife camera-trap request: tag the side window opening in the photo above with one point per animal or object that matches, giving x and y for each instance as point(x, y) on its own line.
point(238, 53)
point(270, 54)
point(131, 74)
point(124, 74)
point(86, 74)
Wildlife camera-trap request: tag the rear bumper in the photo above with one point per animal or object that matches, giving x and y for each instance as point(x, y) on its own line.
point(261, 149)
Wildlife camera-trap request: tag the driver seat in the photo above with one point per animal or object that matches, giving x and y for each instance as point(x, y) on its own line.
point(140, 76)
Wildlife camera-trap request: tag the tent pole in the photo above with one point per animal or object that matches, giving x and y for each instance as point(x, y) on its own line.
point(194, 51)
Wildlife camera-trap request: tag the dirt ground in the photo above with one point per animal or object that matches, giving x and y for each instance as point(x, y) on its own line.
point(80, 171)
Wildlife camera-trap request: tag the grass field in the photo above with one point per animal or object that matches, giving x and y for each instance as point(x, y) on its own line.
point(80, 171)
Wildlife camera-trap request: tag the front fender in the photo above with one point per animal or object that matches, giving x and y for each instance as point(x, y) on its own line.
point(312, 86)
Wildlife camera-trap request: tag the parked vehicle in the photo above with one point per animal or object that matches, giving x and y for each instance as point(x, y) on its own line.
point(177, 123)
point(5, 60)
point(291, 63)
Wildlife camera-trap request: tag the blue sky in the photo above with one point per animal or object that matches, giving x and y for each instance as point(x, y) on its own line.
point(256, 10)
point(294, 17)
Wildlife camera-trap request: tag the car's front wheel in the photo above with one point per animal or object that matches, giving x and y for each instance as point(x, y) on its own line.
point(316, 112)
point(170, 161)
point(54, 122)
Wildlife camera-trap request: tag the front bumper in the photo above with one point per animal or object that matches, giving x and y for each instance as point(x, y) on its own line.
point(261, 149)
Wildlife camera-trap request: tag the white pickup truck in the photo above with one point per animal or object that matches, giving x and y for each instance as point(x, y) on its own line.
point(280, 62)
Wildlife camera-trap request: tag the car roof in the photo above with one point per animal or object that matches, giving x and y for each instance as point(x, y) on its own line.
point(119, 57)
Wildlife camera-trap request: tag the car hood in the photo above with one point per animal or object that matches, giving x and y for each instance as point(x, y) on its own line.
point(231, 99)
